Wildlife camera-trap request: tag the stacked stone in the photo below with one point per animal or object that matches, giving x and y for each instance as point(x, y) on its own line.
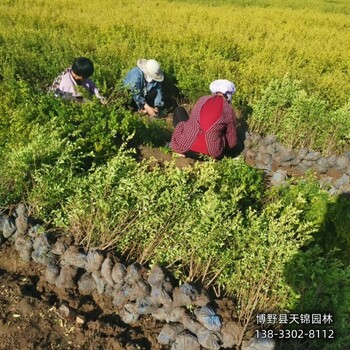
point(134, 292)
point(275, 159)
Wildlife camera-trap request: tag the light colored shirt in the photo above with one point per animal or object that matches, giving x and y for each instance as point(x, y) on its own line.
point(66, 86)
point(135, 81)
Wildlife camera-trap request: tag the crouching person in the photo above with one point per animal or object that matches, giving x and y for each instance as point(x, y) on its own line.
point(145, 84)
point(211, 127)
point(67, 83)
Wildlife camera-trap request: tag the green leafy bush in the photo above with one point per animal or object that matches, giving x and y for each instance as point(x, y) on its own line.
point(285, 105)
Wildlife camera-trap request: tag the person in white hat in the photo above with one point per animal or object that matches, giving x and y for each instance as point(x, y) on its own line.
point(211, 127)
point(145, 83)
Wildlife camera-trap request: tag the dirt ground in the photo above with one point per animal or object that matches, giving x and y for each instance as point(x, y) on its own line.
point(31, 316)
point(30, 307)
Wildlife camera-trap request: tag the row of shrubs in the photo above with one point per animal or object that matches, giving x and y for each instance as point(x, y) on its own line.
point(247, 44)
point(215, 223)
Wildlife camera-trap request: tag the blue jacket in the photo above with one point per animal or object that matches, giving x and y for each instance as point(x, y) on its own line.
point(139, 87)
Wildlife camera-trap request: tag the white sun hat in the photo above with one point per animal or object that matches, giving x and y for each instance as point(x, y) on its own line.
point(223, 86)
point(151, 69)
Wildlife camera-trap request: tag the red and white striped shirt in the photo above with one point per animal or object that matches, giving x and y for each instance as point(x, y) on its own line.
point(210, 128)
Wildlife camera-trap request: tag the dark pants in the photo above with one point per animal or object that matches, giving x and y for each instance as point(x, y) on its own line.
point(180, 115)
point(150, 97)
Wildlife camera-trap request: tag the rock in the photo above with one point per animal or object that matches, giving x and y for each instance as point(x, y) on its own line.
point(118, 273)
point(260, 344)
point(313, 156)
point(41, 243)
point(268, 140)
point(22, 224)
point(270, 149)
point(287, 155)
point(247, 143)
point(106, 270)
point(156, 276)
point(21, 210)
point(129, 314)
point(160, 296)
point(286, 164)
point(184, 295)
point(333, 191)
point(139, 290)
point(279, 147)
point(169, 332)
point(256, 138)
point(161, 313)
point(33, 231)
point(25, 247)
point(189, 323)
point(278, 177)
point(66, 312)
point(262, 149)
point(42, 257)
point(302, 153)
point(322, 165)
point(72, 256)
point(9, 226)
point(99, 281)
point(295, 161)
point(133, 274)
point(94, 260)
point(308, 163)
point(202, 300)
point(266, 159)
point(185, 341)
point(209, 340)
point(59, 248)
point(2, 239)
point(230, 333)
point(250, 154)
point(109, 290)
point(169, 315)
point(146, 306)
point(331, 160)
point(121, 297)
point(343, 181)
point(208, 318)
point(342, 162)
point(302, 167)
point(51, 274)
point(260, 166)
point(66, 278)
point(86, 284)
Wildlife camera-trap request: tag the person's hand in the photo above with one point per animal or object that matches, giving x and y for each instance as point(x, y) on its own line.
point(103, 100)
point(150, 110)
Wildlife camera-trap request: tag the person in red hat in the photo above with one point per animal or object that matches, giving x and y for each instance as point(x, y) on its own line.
point(211, 127)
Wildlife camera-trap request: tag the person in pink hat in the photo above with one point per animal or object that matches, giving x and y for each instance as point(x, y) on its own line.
point(145, 84)
point(211, 127)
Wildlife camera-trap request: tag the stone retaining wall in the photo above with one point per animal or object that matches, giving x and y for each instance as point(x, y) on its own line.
point(135, 291)
point(279, 162)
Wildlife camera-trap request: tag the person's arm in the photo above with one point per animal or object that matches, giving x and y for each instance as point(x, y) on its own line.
point(134, 82)
point(231, 129)
point(102, 99)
